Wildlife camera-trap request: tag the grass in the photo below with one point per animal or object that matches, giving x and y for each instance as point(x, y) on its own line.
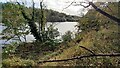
point(16, 61)
point(95, 41)
point(105, 40)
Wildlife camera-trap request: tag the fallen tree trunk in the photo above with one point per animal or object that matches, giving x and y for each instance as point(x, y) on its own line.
point(84, 56)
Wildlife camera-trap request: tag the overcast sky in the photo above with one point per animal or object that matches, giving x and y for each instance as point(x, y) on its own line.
point(59, 5)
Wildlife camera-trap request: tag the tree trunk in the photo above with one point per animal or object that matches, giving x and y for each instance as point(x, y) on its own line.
point(31, 24)
point(34, 31)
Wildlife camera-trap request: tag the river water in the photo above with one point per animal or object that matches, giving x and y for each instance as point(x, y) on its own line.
point(62, 28)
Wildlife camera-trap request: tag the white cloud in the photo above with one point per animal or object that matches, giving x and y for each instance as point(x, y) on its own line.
point(59, 5)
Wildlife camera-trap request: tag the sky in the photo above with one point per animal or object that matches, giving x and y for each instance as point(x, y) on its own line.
point(59, 5)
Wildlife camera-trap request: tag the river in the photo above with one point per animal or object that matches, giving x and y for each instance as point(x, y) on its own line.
point(62, 28)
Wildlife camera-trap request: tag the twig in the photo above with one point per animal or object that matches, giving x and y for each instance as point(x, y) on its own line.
point(9, 39)
point(110, 9)
point(85, 6)
point(84, 56)
point(87, 50)
point(69, 5)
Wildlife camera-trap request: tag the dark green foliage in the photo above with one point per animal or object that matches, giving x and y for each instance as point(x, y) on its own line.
point(67, 37)
point(99, 34)
point(34, 31)
point(13, 21)
point(8, 50)
point(12, 11)
point(50, 37)
point(54, 16)
point(31, 23)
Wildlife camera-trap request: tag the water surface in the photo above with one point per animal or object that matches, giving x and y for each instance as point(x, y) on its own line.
point(62, 28)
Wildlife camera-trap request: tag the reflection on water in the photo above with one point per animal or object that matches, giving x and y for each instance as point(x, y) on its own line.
point(62, 28)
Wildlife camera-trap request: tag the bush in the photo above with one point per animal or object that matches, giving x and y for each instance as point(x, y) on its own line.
point(67, 37)
point(17, 62)
point(9, 49)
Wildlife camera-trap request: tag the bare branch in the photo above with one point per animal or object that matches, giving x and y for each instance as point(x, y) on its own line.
point(69, 5)
point(84, 56)
point(84, 5)
point(87, 50)
point(100, 11)
point(105, 14)
point(110, 9)
point(9, 39)
point(33, 10)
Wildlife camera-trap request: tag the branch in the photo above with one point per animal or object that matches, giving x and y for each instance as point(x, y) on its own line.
point(8, 39)
point(102, 12)
point(31, 23)
point(23, 12)
point(33, 10)
point(87, 50)
point(83, 5)
point(69, 5)
point(109, 9)
point(80, 57)
point(105, 14)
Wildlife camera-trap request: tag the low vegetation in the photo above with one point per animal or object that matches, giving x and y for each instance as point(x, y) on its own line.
point(99, 34)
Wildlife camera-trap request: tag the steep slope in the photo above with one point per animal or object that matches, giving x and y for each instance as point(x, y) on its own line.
point(99, 34)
